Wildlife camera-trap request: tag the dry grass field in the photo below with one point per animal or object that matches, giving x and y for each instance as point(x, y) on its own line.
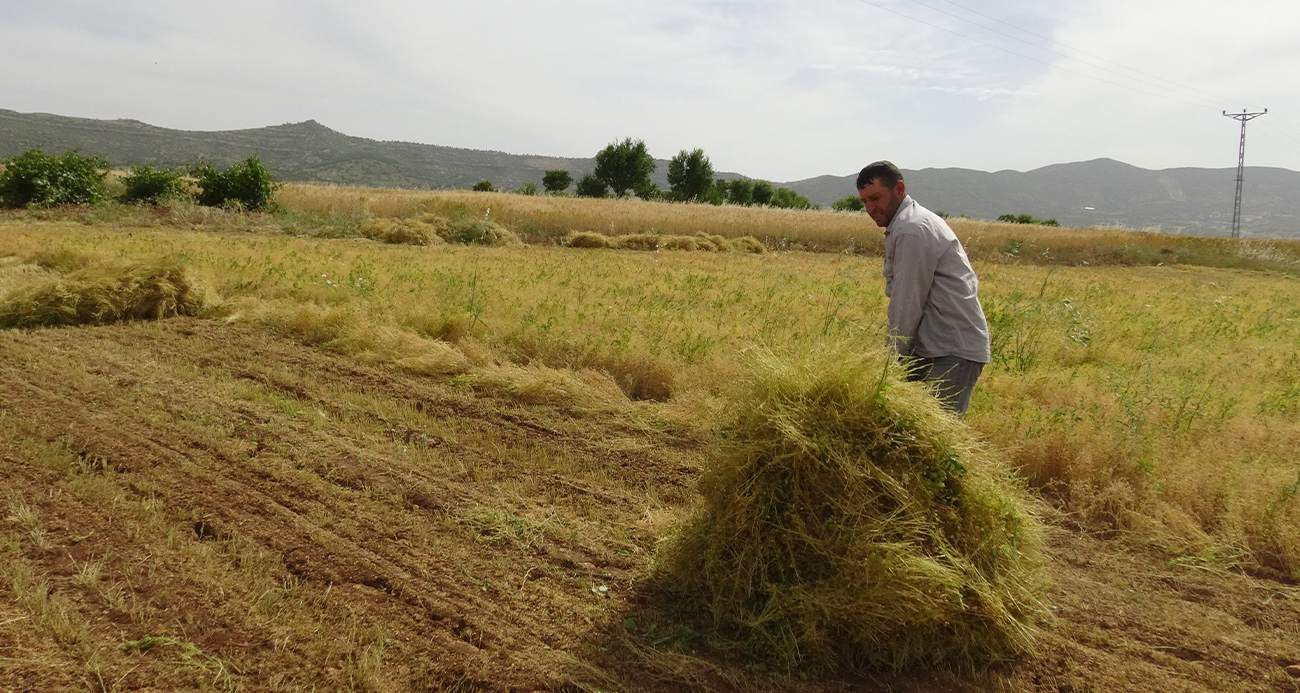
point(344, 464)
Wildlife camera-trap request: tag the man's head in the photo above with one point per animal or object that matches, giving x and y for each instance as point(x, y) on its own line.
point(881, 187)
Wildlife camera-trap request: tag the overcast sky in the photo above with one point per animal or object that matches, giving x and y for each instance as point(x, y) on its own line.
point(774, 89)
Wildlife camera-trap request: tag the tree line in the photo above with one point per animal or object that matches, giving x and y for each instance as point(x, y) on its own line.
point(37, 179)
point(624, 168)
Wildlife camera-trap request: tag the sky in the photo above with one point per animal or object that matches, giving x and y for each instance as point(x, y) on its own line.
point(773, 89)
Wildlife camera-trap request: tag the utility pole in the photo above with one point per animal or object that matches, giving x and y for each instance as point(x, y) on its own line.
point(1244, 117)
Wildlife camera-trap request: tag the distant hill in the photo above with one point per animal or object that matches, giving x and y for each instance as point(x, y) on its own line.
point(306, 151)
point(1102, 192)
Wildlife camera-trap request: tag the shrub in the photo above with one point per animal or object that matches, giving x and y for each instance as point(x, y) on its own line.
point(852, 203)
point(484, 186)
point(247, 183)
point(527, 189)
point(37, 179)
point(849, 522)
point(591, 186)
point(1027, 219)
point(98, 295)
point(149, 185)
point(556, 181)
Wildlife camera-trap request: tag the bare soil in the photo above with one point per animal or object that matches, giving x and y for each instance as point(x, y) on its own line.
point(195, 505)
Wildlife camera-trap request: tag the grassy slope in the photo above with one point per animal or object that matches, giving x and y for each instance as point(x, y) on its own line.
point(1125, 394)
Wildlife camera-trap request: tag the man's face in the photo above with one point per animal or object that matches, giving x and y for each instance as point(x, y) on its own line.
point(882, 202)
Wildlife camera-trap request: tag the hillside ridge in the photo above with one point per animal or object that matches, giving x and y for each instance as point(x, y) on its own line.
point(1097, 192)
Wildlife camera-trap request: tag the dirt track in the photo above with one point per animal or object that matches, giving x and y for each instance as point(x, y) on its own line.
point(277, 517)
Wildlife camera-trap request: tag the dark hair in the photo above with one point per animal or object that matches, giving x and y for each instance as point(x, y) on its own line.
point(885, 172)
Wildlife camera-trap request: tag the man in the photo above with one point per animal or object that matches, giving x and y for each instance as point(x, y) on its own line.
point(936, 323)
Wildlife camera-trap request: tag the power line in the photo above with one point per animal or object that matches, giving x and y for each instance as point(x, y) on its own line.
point(1026, 57)
point(1278, 131)
point(1211, 97)
point(1281, 124)
point(1066, 56)
point(1272, 136)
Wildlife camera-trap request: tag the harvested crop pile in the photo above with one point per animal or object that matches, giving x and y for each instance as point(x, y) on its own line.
point(588, 239)
point(406, 231)
point(472, 231)
point(431, 229)
point(748, 244)
point(98, 295)
point(848, 522)
point(650, 241)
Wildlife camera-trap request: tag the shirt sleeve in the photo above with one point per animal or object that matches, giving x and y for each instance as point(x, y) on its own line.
point(913, 267)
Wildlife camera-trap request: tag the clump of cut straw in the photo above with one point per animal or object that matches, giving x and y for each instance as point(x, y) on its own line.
point(748, 244)
point(849, 522)
point(432, 229)
point(588, 239)
point(478, 231)
point(652, 241)
point(405, 231)
point(98, 295)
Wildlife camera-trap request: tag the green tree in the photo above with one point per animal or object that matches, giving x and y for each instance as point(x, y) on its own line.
point(852, 203)
point(248, 183)
point(149, 185)
point(786, 198)
point(762, 192)
point(591, 186)
point(717, 193)
point(37, 179)
point(690, 175)
point(648, 190)
point(624, 165)
point(556, 181)
point(484, 186)
point(527, 189)
point(740, 191)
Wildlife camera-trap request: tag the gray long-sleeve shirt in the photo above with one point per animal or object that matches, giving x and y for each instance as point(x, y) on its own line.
point(934, 307)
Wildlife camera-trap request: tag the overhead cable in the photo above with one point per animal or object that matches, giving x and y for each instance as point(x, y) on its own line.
point(1027, 57)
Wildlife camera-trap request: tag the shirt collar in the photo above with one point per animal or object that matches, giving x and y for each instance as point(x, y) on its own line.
point(905, 204)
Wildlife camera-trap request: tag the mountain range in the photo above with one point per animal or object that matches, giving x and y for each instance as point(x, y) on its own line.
point(1101, 192)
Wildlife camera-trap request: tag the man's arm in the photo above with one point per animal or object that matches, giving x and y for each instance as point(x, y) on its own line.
point(913, 265)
